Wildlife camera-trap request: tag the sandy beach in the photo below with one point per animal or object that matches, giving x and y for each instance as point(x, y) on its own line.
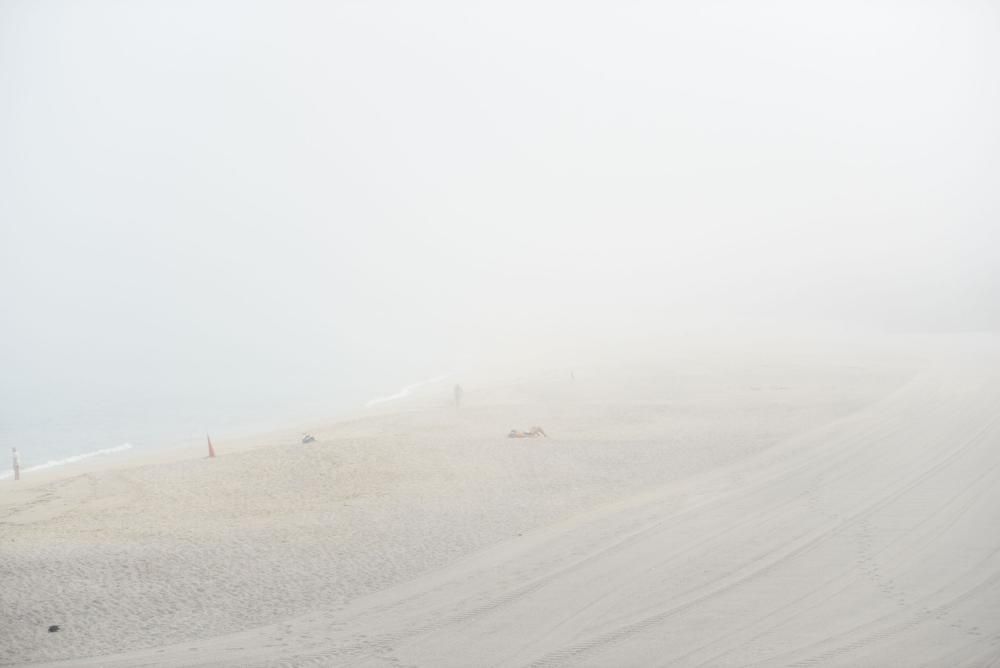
point(527, 334)
point(834, 507)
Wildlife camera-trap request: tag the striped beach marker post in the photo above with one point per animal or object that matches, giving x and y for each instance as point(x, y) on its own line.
point(211, 450)
point(17, 464)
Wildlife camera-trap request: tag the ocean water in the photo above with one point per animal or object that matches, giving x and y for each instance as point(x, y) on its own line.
point(406, 391)
point(50, 431)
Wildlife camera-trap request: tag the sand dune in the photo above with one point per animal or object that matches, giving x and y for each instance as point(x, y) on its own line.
point(809, 510)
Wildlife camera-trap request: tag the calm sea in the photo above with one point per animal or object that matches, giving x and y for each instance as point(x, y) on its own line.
point(50, 431)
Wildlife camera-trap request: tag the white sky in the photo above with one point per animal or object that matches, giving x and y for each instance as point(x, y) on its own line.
point(258, 188)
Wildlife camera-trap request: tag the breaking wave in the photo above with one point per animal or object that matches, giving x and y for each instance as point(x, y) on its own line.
point(68, 460)
point(405, 392)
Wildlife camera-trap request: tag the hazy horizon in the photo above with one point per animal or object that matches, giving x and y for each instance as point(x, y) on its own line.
point(219, 199)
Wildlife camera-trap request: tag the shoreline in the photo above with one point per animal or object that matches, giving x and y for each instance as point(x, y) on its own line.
point(245, 437)
point(242, 439)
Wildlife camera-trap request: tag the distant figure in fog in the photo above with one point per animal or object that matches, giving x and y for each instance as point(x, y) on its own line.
point(534, 432)
point(458, 396)
point(17, 465)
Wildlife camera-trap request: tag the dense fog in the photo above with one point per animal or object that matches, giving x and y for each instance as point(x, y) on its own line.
point(202, 197)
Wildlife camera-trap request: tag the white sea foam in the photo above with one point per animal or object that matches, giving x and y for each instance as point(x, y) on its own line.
point(405, 392)
point(68, 460)
point(4, 475)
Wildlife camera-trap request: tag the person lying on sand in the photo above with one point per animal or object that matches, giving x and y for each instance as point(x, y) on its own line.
point(534, 432)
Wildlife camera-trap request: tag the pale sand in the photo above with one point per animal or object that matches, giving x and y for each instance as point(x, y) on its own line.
point(780, 509)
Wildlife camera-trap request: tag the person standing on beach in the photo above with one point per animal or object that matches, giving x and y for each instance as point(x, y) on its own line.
point(458, 396)
point(17, 465)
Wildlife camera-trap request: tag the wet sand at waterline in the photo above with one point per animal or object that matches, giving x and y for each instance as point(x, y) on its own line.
point(788, 507)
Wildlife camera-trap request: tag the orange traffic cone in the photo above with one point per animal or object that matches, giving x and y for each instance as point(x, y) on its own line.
point(211, 450)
